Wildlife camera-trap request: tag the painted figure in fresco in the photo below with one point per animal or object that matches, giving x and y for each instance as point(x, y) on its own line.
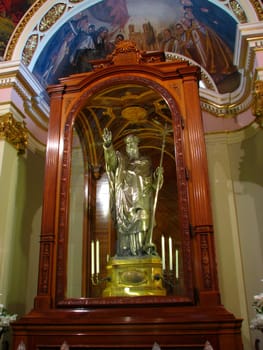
point(119, 37)
point(204, 46)
point(93, 44)
point(111, 45)
point(168, 41)
point(84, 44)
point(149, 39)
point(58, 62)
point(187, 33)
point(135, 36)
point(102, 42)
point(132, 187)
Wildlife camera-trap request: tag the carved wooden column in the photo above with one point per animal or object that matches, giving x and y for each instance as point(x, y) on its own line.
point(201, 226)
point(48, 242)
point(183, 318)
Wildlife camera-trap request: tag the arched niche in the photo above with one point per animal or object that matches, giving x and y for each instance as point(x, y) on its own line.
point(125, 106)
point(125, 99)
point(128, 92)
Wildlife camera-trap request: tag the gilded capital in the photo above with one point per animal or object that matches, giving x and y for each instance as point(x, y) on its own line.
point(13, 132)
point(257, 104)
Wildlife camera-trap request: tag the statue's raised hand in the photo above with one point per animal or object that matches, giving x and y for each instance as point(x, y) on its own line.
point(107, 137)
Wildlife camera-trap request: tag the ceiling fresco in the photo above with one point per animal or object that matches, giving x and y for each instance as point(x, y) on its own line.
point(194, 29)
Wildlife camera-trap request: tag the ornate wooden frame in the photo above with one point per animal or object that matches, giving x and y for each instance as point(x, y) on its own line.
point(122, 322)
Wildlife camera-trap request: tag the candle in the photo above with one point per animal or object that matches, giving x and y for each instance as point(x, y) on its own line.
point(170, 254)
point(92, 258)
point(176, 263)
point(163, 252)
point(97, 256)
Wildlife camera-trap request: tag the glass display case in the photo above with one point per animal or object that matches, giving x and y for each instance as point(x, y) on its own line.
point(89, 294)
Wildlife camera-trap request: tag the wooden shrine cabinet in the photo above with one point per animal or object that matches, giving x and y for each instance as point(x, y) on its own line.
point(136, 92)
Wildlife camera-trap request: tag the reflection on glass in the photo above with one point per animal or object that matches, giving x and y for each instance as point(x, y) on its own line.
point(90, 217)
point(75, 237)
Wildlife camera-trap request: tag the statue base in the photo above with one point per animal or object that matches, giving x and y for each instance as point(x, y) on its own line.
point(134, 276)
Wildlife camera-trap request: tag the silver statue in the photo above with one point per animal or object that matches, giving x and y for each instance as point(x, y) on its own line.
point(133, 186)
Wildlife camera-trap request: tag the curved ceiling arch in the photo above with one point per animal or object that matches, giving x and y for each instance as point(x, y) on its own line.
point(244, 11)
point(47, 20)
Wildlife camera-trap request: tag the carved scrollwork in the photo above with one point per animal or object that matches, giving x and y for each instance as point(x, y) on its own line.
point(205, 261)
point(126, 46)
point(126, 49)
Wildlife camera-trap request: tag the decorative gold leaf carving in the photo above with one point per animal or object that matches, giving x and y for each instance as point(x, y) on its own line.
point(257, 4)
point(257, 104)
point(238, 11)
point(51, 17)
point(29, 48)
point(13, 132)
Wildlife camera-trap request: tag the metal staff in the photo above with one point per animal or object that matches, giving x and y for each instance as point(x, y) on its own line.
point(150, 244)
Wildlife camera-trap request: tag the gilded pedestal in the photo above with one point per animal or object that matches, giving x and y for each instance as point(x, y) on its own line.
point(134, 276)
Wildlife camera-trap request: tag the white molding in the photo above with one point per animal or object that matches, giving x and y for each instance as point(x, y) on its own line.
point(249, 37)
point(28, 101)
